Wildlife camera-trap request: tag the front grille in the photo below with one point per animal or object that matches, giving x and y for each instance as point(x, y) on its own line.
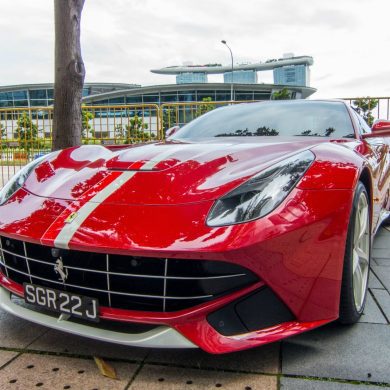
point(124, 282)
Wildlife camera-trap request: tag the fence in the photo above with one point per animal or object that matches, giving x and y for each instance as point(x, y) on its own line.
point(379, 107)
point(26, 133)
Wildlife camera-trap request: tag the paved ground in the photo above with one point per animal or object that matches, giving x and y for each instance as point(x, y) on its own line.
point(332, 357)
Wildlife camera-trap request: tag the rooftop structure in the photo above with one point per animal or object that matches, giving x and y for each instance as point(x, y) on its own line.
point(218, 68)
point(243, 73)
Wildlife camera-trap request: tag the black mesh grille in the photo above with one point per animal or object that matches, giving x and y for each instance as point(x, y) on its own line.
point(124, 282)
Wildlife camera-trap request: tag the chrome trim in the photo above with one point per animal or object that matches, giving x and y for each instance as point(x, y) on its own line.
point(165, 282)
point(104, 291)
point(126, 274)
point(108, 279)
point(160, 337)
point(27, 261)
point(98, 277)
point(2, 256)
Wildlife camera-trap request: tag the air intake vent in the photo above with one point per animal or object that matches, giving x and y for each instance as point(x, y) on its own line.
point(124, 282)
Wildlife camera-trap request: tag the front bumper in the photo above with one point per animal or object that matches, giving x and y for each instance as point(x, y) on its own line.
point(297, 251)
point(159, 337)
point(184, 334)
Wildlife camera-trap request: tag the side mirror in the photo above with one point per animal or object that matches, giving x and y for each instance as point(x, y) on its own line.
point(171, 131)
point(380, 128)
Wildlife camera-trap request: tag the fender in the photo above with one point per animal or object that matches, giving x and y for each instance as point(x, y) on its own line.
point(336, 167)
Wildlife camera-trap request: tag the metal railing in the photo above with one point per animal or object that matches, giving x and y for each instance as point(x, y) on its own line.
point(378, 106)
point(26, 133)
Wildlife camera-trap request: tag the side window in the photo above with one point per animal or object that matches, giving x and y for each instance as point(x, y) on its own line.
point(362, 124)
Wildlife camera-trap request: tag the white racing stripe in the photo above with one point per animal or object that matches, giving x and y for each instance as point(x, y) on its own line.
point(154, 161)
point(67, 232)
point(69, 229)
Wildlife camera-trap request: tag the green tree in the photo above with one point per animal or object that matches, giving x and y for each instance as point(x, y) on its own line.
point(283, 94)
point(3, 135)
point(86, 116)
point(364, 107)
point(3, 131)
point(134, 131)
point(266, 131)
point(203, 108)
point(168, 119)
point(27, 132)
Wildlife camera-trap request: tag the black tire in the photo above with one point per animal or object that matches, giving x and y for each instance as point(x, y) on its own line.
point(349, 314)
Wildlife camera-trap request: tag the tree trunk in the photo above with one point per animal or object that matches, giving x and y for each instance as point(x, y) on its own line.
point(69, 74)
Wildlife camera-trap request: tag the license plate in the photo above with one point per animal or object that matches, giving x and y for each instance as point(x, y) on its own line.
point(62, 302)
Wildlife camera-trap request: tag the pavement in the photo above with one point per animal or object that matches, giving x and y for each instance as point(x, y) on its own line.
point(331, 357)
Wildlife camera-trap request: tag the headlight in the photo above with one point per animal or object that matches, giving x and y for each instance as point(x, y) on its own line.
point(18, 180)
point(262, 193)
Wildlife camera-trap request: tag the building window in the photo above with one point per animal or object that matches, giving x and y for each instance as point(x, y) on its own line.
point(6, 96)
point(133, 99)
point(189, 96)
point(150, 99)
point(38, 94)
point(116, 101)
point(262, 96)
point(20, 95)
point(168, 97)
point(240, 95)
point(37, 103)
point(21, 103)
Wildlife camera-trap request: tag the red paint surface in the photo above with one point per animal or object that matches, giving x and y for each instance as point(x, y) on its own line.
point(297, 250)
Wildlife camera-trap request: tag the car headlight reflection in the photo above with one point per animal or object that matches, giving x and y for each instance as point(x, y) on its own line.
point(262, 193)
point(18, 180)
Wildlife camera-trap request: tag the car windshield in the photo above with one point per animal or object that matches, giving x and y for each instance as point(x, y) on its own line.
point(298, 118)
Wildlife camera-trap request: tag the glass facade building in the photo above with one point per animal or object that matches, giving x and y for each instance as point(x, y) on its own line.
point(241, 77)
point(175, 93)
point(191, 78)
point(292, 75)
point(195, 95)
point(41, 95)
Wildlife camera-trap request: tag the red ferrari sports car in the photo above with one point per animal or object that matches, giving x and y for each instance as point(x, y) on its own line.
point(250, 224)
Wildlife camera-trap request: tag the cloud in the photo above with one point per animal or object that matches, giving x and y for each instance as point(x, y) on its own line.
point(122, 40)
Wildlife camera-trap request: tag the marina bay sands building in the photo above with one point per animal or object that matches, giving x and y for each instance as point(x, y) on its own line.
point(191, 85)
point(288, 70)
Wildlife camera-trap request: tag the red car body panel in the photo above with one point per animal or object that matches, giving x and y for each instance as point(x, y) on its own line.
point(297, 250)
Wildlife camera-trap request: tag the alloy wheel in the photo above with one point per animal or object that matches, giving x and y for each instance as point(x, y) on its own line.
point(361, 252)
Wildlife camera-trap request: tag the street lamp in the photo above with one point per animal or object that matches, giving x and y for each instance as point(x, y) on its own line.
point(231, 84)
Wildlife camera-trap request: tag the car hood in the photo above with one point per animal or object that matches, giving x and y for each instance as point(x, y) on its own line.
point(159, 173)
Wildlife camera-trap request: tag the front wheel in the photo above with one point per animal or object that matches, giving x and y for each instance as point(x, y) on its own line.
point(357, 259)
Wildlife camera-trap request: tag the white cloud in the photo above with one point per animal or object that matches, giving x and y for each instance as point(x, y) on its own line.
point(123, 39)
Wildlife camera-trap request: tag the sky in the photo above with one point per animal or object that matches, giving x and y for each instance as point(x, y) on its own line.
point(123, 39)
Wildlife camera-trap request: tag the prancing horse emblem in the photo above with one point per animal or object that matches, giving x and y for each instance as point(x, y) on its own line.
point(61, 270)
point(71, 217)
